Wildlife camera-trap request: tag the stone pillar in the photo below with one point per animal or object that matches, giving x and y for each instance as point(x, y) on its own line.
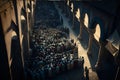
point(81, 29)
point(117, 59)
point(102, 56)
point(91, 37)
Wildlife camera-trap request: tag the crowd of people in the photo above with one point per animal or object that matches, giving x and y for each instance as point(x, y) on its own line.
point(52, 54)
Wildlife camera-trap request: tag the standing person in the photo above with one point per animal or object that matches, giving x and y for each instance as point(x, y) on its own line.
point(86, 73)
point(61, 19)
point(82, 61)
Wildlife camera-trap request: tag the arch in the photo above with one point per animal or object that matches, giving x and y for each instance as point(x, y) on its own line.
point(78, 14)
point(72, 7)
point(23, 21)
point(98, 24)
point(86, 20)
point(29, 14)
point(16, 67)
point(22, 27)
point(68, 2)
point(24, 34)
point(17, 72)
point(28, 5)
point(97, 32)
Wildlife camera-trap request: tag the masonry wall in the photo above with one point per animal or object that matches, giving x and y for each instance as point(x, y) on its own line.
point(11, 28)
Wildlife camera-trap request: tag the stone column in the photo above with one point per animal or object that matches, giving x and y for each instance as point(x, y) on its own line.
point(102, 56)
point(91, 37)
point(81, 29)
point(117, 59)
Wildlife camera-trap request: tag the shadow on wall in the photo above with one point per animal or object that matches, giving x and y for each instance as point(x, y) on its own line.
point(85, 39)
point(94, 51)
point(109, 69)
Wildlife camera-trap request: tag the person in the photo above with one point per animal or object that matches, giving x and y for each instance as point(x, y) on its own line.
point(82, 61)
point(61, 20)
point(86, 73)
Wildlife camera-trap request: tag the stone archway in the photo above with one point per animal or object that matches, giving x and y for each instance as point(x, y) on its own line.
point(17, 71)
point(16, 62)
point(72, 7)
point(94, 32)
point(23, 21)
point(94, 46)
point(86, 20)
point(97, 32)
point(29, 13)
point(24, 34)
point(68, 2)
point(78, 14)
point(97, 25)
point(29, 22)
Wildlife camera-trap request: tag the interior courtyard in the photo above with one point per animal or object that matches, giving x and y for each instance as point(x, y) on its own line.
point(59, 40)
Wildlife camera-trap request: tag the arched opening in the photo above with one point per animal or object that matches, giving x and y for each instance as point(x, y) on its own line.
point(24, 33)
point(29, 15)
point(23, 23)
point(68, 2)
point(97, 32)
point(72, 7)
point(29, 10)
point(78, 14)
point(17, 71)
point(86, 20)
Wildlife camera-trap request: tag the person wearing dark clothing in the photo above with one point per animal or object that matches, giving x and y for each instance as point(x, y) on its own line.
point(86, 73)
